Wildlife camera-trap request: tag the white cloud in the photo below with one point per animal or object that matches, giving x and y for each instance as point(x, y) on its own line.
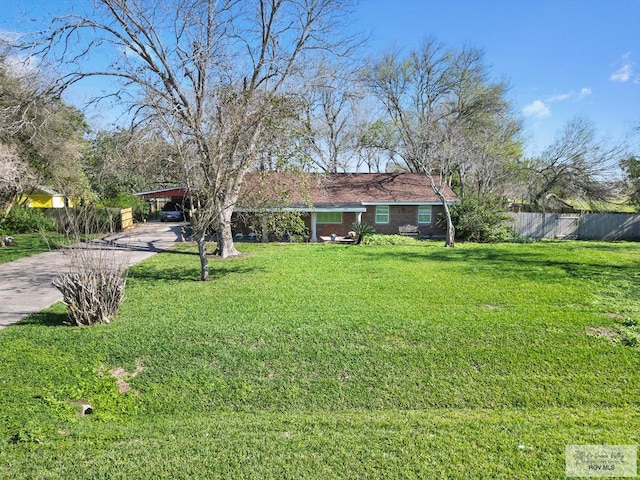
point(17, 64)
point(536, 109)
point(625, 72)
point(560, 97)
point(572, 95)
point(540, 108)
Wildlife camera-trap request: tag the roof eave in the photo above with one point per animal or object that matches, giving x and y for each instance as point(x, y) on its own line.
point(412, 203)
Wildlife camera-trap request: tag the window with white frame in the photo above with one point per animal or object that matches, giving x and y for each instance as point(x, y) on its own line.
point(424, 214)
point(382, 214)
point(329, 217)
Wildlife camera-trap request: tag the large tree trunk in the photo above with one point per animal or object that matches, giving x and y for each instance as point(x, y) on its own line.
point(226, 248)
point(7, 204)
point(451, 230)
point(204, 262)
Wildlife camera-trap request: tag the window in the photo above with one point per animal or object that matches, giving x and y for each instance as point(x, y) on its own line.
point(329, 217)
point(424, 214)
point(382, 214)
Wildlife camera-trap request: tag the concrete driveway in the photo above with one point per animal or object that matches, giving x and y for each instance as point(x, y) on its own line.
point(25, 285)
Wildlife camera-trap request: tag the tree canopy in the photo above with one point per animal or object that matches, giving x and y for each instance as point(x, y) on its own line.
point(445, 114)
point(215, 89)
point(41, 138)
point(577, 165)
point(631, 167)
point(212, 77)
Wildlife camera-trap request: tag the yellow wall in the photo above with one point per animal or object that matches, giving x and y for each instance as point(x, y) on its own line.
point(43, 200)
point(37, 200)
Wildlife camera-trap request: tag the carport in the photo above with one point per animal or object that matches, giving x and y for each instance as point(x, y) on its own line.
point(160, 197)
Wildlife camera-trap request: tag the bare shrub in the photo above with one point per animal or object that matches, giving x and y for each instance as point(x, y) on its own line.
point(92, 296)
point(94, 287)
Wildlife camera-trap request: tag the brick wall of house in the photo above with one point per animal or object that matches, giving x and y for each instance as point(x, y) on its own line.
point(398, 215)
point(407, 215)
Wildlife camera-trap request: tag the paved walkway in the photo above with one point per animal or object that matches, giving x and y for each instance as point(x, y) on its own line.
point(25, 285)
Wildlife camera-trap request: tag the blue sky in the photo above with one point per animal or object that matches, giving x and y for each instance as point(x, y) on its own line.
point(562, 58)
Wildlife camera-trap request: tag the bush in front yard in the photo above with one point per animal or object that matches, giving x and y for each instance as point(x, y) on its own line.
point(25, 220)
point(362, 230)
point(93, 288)
point(481, 220)
point(380, 239)
point(127, 200)
point(93, 295)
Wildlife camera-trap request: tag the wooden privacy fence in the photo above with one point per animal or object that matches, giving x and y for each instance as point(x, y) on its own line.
point(105, 219)
point(126, 218)
point(586, 226)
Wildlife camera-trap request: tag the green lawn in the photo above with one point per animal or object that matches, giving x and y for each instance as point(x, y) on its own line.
point(27, 244)
point(331, 361)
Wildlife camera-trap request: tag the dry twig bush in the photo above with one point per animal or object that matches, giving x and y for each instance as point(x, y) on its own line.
point(94, 287)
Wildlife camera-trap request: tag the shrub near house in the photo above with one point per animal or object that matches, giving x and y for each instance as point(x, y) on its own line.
point(23, 219)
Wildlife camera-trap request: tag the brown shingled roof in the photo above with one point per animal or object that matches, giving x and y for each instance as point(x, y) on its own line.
point(377, 188)
point(347, 188)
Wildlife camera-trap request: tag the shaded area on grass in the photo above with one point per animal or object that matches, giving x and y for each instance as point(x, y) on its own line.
point(186, 267)
point(550, 262)
point(511, 259)
point(45, 318)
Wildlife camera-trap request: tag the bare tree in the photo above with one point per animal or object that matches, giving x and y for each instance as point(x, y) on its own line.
point(42, 137)
point(435, 97)
point(15, 177)
point(209, 74)
point(373, 141)
point(129, 161)
point(576, 166)
point(329, 134)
